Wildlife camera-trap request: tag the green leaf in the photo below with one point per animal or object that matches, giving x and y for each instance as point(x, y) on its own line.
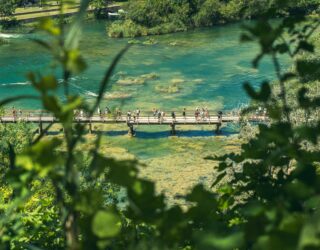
point(212, 241)
point(308, 69)
point(49, 82)
point(75, 62)
point(51, 103)
point(106, 224)
point(49, 26)
point(304, 45)
point(262, 96)
point(309, 238)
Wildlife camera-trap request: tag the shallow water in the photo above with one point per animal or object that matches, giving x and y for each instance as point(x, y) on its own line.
point(209, 67)
point(206, 66)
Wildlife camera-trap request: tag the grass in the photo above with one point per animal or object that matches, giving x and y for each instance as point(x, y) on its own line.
point(50, 9)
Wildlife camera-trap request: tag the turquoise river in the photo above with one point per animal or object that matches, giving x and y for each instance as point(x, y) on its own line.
point(200, 68)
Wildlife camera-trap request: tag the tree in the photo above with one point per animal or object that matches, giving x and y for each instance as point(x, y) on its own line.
point(99, 6)
point(7, 8)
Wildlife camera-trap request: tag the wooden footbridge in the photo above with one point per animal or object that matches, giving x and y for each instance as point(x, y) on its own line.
point(217, 121)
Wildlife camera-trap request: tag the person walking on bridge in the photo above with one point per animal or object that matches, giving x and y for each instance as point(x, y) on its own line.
point(155, 113)
point(107, 111)
point(202, 114)
point(207, 113)
point(173, 115)
point(138, 113)
point(118, 114)
point(129, 115)
point(99, 111)
point(14, 113)
point(220, 116)
point(196, 114)
point(184, 114)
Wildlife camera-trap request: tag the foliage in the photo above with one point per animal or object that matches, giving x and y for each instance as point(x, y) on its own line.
point(7, 8)
point(99, 6)
point(179, 15)
point(266, 197)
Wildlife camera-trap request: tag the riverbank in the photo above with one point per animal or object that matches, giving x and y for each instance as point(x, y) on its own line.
point(24, 19)
point(152, 17)
point(26, 15)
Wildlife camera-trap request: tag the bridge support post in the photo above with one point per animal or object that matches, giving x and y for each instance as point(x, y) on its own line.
point(218, 131)
point(90, 128)
point(40, 127)
point(131, 129)
point(173, 129)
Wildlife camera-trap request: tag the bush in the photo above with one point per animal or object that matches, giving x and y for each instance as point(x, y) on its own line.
point(163, 16)
point(209, 14)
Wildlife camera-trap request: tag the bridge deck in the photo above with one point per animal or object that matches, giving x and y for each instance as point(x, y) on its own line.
point(141, 120)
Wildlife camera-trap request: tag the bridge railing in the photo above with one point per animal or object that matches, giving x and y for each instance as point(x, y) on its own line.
point(38, 112)
point(24, 114)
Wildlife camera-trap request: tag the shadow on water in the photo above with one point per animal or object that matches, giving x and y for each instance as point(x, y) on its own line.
point(166, 133)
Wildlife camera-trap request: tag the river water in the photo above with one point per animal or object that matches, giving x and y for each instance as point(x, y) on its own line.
point(200, 68)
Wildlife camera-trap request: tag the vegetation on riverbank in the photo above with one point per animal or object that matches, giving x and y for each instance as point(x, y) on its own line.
point(16, 15)
point(155, 17)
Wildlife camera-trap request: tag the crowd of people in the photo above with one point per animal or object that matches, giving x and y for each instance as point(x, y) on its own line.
point(135, 115)
point(200, 114)
point(261, 111)
point(16, 113)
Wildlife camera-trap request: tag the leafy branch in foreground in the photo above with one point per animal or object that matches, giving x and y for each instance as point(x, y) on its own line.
point(56, 192)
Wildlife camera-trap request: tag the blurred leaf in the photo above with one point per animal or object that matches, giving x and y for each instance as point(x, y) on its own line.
point(49, 26)
point(308, 69)
point(75, 63)
point(262, 96)
point(106, 224)
point(17, 98)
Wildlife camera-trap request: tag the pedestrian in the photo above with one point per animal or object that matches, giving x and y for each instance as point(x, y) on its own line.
point(155, 113)
point(196, 113)
point(202, 114)
point(117, 114)
point(14, 113)
point(184, 114)
point(81, 113)
point(220, 116)
point(129, 115)
point(138, 113)
point(207, 113)
point(159, 115)
point(107, 110)
point(173, 115)
point(162, 115)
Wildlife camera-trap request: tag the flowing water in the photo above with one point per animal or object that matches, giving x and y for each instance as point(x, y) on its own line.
point(200, 68)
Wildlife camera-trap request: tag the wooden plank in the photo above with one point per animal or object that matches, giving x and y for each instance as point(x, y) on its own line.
point(189, 120)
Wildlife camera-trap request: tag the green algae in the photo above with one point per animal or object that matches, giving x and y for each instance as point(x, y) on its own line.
point(172, 89)
point(177, 81)
point(131, 81)
point(117, 95)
